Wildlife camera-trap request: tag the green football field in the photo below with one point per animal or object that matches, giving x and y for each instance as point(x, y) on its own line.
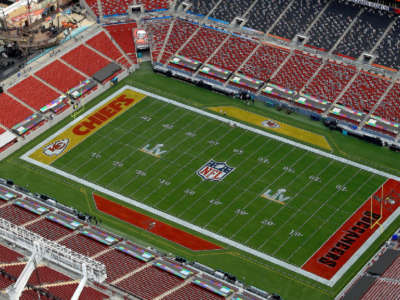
point(317, 194)
point(121, 167)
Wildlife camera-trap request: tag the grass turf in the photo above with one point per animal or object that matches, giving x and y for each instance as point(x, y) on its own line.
point(249, 269)
point(234, 208)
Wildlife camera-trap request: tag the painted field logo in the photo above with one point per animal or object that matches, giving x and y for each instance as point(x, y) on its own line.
point(270, 124)
point(155, 151)
point(214, 170)
point(278, 197)
point(56, 147)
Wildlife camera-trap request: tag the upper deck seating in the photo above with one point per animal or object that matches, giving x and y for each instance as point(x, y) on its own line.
point(298, 17)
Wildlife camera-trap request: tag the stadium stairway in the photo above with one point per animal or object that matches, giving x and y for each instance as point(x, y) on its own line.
point(248, 10)
point(317, 18)
point(182, 32)
point(321, 66)
point(40, 218)
point(54, 74)
point(245, 61)
point(33, 92)
point(202, 21)
point(73, 68)
point(161, 53)
point(47, 84)
point(102, 55)
point(126, 56)
point(342, 93)
point(178, 287)
point(214, 53)
point(101, 252)
point(365, 91)
point(118, 280)
point(372, 111)
point(389, 108)
point(104, 46)
point(331, 51)
point(22, 103)
point(280, 67)
point(280, 17)
point(383, 36)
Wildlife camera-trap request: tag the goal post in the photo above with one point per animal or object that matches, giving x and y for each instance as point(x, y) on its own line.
point(377, 202)
point(384, 202)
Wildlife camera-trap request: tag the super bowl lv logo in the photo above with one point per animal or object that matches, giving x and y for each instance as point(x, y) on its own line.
point(214, 170)
point(56, 147)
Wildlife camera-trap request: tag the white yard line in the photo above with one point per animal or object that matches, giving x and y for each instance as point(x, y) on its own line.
point(189, 162)
point(215, 155)
point(103, 150)
point(331, 216)
point(208, 233)
point(297, 193)
point(267, 203)
point(254, 182)
point(205, 194)
point(314, 212)
point(88, 149)
point(150, 165)
point(174, 161)
point(249, 203)
point(160, 132)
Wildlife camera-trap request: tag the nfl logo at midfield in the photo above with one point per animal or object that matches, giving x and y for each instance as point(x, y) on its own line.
point(214, 170)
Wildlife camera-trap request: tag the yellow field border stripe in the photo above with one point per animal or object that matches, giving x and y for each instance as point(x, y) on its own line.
point(86, 125)
point(276, 126)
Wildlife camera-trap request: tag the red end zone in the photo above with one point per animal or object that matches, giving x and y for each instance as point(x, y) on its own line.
point(338, 249)
point(154, 226)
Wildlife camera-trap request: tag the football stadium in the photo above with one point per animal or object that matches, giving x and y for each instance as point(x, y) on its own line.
point(200, 149)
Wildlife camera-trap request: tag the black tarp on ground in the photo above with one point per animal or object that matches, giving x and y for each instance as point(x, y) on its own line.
point(359, 288)
point(106, 72)
point(384, 262)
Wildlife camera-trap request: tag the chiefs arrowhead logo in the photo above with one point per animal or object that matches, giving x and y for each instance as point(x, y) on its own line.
point(270, 124)
point(56, 147)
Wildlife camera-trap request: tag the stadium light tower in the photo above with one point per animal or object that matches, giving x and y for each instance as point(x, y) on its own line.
point(16, 289)
point(42, 248)
point(81, 285)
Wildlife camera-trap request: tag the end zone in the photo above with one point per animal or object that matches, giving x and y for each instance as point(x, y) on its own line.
point(354, 235)
point(86, 125)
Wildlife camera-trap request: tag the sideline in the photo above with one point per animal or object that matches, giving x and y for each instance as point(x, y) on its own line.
point(203, 231)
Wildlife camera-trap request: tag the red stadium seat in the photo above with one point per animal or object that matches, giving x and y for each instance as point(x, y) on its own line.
point(49, 229)
point(17, 215)
point(55, 75)
point(264, 62)
point(118, 264)
point(181, 31)
point(203, 44)
point(85, 60)
point(84, 245)
point(33, 92)
point(12, 112)
point(364, 92)
point(123, 36)
point(389, 108)
point(330, 81)
point(149, 283)
point(233, 53)
point(297, 71)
